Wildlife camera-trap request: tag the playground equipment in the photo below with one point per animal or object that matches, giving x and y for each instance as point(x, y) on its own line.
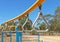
point(18, 37)
point(40, 15)
point(35, 5)
point(38, 3)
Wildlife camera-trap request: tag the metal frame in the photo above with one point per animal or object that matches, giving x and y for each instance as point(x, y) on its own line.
point(35, 5)
point(37, 19)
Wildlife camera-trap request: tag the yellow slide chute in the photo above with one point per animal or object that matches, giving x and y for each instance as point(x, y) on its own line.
point(35, 5)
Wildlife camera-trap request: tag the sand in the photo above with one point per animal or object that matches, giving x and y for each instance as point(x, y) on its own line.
point(34, 37)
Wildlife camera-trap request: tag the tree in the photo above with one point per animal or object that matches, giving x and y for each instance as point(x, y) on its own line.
point(52, 24)
point(55, 22)
point(57, 13)
point(27, 25)
point(11, 26)
point(42, 26)
point(57, 17)
point(48, 16)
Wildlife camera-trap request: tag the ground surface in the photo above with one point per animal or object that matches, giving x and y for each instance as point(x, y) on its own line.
point(50, 38)
point(44, 38)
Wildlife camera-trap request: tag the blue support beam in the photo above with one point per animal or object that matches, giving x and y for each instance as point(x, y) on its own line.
point(2, 36)
point(38, 36)
point(10, 36)
point(18, 36)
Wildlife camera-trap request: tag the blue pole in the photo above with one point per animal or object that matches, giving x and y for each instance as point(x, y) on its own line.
point(10, 36)
point(2, 36)
point(38, 36)
point(18, 36)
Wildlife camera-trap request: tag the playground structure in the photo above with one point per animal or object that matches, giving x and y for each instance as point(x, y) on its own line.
point(38, 3)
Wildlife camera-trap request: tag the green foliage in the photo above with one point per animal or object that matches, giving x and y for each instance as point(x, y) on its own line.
point(42, 26)
point(55, 22)
point(27, 26)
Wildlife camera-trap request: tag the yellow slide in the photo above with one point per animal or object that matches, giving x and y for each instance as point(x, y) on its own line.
point(35, 5)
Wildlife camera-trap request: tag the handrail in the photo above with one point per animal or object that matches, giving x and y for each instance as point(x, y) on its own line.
point(35, 5)
point(24, 23)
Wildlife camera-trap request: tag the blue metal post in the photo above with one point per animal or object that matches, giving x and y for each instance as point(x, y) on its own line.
point(2, 36)
point(10, 36)
point(38, 36)
point(18, 35)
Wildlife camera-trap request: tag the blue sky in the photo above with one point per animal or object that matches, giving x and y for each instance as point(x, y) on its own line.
point(12, 8)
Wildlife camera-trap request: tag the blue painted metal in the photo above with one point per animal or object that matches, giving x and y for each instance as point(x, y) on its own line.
point(2, 36)
point(38, 36)
point(18, 36)
point(10, 36)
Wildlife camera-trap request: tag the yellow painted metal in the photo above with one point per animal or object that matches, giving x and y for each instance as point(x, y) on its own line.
point(35, 5)
point(8, 26)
